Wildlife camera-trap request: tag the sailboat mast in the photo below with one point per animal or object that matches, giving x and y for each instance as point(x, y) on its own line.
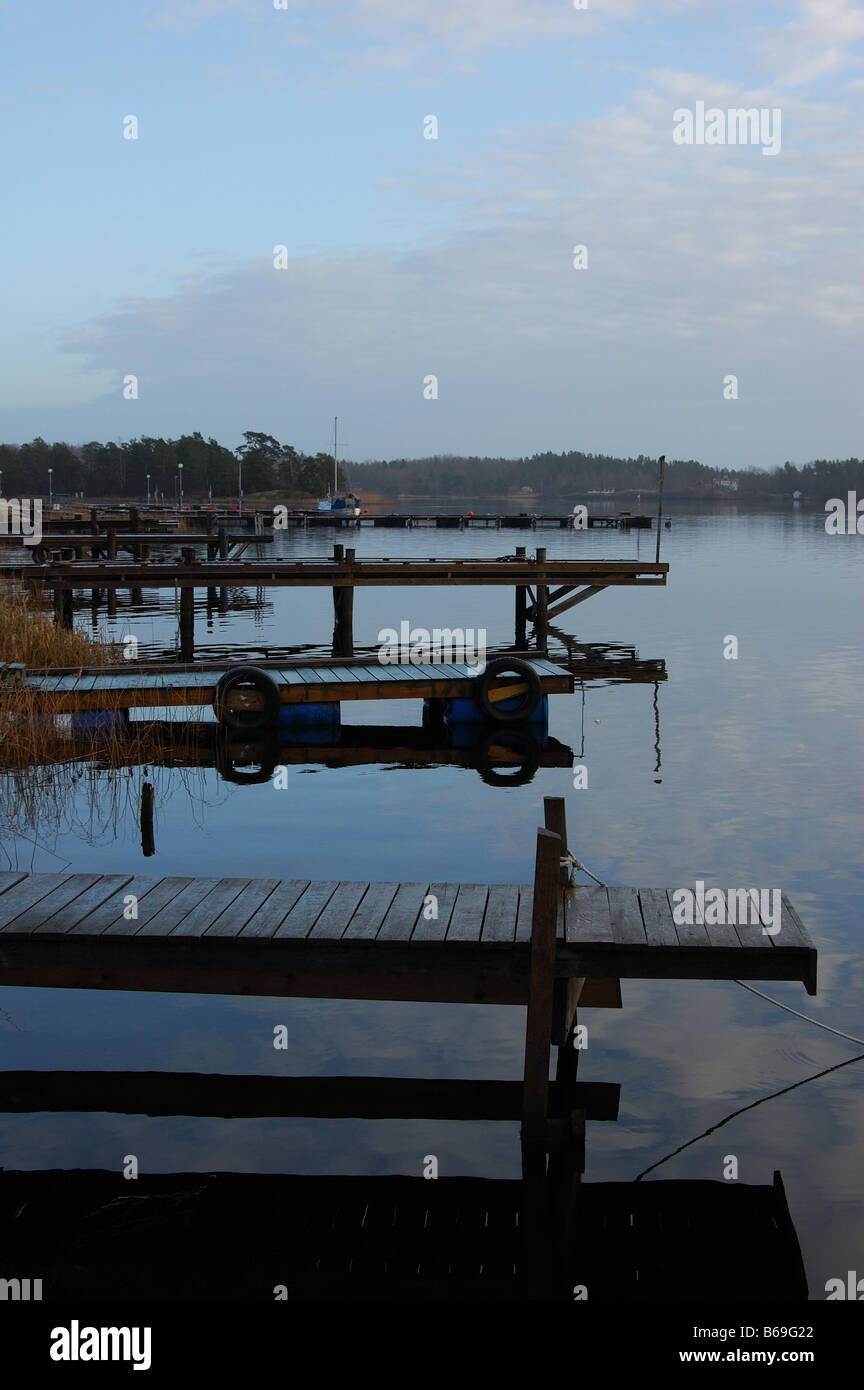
point(335, 464)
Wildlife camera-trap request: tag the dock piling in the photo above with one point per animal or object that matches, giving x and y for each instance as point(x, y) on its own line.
point(541, 603)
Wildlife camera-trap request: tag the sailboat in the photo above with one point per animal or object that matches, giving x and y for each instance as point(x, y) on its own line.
point(343, 502)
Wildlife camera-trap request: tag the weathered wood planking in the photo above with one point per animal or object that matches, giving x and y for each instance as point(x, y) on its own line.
point(473, 941)
point(299, 685)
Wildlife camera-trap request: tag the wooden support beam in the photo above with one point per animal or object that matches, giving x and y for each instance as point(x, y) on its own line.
point(521, 636)
point(588, 592)
point(541, 616)
point(325, 1097)
point(538, 1025)
point(343, 608)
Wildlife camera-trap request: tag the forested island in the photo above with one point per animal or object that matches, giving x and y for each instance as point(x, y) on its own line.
point(264, 467)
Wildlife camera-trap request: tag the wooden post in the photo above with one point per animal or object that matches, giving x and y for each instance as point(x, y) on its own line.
point(148, 843)
point(535, 1089)
point(343, 609)
point(112, 541)
point(660, 483)
point(67, 615)
point(521, 636)
point(541, 626)
point(187, 611)
point(538, 1027)
point(555, 817)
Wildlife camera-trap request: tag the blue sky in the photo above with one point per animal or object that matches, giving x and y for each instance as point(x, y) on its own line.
point(303, 127)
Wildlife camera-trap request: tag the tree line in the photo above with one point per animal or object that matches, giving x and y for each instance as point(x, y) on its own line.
point(573, 475)
point(260, 463)
point(268, 467)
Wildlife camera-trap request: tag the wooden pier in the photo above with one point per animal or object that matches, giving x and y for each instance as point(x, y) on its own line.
point(462, 521)
point(487, 943)
point(550, 945)
point(140, 687)
point(574, 581)
point(58, 547)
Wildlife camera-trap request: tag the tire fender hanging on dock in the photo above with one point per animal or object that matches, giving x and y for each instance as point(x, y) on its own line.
point(528, 695)
point(250, 677)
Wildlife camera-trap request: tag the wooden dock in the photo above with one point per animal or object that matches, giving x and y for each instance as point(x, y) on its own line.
point(574, 581)
point(131, 687)
point(547, 944)
point(58, 547)
point(461, 521)
point(362, 940)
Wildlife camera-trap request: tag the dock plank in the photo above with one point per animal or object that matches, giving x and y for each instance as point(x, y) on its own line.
point(8, 879)
point(109, 916)
point(38, 916)
point(169, 916)
point(502, 910)
point(625, 917)
point(435, 928)
point(306, 911)
point(525, 914)
point(331, 925)
point(403, 913)
point(466, 921)
point(657, 917)
point(205, 912)
point(366, 921)
point(586, 914)
point(233, 918)
point(688, 933)
point(67, 918)
point(25, 894)
point(792, 930)
point(266, 919)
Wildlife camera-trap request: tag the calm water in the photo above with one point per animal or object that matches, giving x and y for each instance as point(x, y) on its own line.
point(760, 783)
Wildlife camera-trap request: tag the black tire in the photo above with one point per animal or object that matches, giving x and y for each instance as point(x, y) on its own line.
point(529, 701)
point(247, 720)
point(524, 743)
point(233, 758)
point(40, 554)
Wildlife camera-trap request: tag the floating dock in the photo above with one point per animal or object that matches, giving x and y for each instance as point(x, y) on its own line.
point(131, 687)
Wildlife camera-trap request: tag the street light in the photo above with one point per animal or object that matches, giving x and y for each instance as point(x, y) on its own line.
point(180, 466)
point(239, 485)
point(50, 489)
point(148, 489)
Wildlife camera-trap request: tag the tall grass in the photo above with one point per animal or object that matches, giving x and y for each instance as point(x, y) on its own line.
point(48, 783)
point(29, 634)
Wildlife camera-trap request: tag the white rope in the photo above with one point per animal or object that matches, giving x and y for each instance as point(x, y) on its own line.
point(806, 1017)
point(571, 859)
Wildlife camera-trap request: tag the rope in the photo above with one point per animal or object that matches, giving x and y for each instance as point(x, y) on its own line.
point(571, 859)
point(806, 1017)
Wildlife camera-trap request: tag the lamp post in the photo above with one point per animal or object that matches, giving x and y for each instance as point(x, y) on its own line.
point(180, 467)
point(50, 489)
point(239, 486)
point(148, 489)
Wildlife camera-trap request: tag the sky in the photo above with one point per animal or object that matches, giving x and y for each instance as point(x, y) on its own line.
point(405, 257)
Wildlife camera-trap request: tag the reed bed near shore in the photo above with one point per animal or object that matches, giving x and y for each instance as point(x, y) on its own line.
point(49, 784)
point(29, 634)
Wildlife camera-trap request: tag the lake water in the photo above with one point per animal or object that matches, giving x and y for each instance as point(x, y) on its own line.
point(760, 783)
